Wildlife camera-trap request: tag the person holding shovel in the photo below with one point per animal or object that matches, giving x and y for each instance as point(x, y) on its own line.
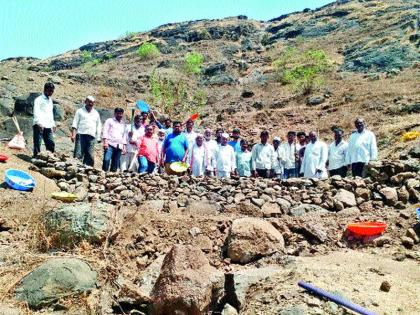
point(43, 122)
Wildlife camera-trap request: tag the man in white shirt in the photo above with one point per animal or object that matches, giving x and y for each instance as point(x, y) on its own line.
point(212, 147)
point(362, 148)
point(43, 123)
point(263, 157)
point(291, 156)
point(190, 134)
point(337, 154)
point(225, 158)
point(198, 157)
point(315, 158)
point(87, 126)
point(132, 133)
point(279, 156)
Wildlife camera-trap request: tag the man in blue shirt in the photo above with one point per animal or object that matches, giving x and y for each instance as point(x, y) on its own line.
point(175, 147)
point(236, 142)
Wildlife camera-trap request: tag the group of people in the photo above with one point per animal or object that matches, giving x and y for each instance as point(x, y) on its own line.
point(148, 146)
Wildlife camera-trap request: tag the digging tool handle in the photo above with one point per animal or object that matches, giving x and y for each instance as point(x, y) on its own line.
point(335, 298)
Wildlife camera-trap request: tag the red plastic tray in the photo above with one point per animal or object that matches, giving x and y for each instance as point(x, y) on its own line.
point(3, 158)
point(367, 228)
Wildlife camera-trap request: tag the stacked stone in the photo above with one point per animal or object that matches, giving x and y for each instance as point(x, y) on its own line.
point(391, 183)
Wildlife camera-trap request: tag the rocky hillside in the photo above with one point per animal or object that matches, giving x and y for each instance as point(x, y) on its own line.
point(143, 244)
point(373, 47)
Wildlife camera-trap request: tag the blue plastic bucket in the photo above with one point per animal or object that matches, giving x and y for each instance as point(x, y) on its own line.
point(142, 106)
point(19, 180)
point(418, 214)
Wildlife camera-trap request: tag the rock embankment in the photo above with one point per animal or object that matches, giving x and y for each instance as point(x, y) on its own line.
point(391, 183)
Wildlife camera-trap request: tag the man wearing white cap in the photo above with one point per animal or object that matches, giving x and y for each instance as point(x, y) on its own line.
point(212, 147)
point(198, 157)
point(87, 125)
point(315, 158)
point(225, 158)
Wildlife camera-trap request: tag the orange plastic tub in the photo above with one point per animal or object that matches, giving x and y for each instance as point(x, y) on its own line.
point(367, 228)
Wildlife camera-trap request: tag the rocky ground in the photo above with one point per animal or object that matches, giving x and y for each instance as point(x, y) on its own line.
point(242, 251)
point(141, 244)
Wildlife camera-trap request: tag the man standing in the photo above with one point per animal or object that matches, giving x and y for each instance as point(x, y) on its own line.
point(114, 140)
point(236, 143)
point(361, 149)
point(148, 151)
point(190, 134)
point(243, 160)
point(291, 156)
point(129, 161)
point(161, 139)
point(303, 140)
point(337, 155)
point(87, 126)
point(315, 158)
point(225, 158)
point(263, 157)
point(212, 147)
point(198, 157)
point(43, 123)
point(175, 148)
point(168, 126)
point(219, 133)
point(279, 157)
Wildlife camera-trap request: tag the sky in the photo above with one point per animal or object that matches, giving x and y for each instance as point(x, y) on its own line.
point(44, 28)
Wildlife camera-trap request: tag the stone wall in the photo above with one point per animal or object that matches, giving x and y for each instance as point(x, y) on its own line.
point(392, 183)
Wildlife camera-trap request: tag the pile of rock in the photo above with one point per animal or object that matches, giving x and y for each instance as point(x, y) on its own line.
point(392, 183)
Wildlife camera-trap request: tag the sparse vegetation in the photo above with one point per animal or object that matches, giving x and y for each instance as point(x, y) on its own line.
point(107, 56)
point(86, 56)
point(175, 97)
point(193, 62)
point(148, 51)
point(304, 70)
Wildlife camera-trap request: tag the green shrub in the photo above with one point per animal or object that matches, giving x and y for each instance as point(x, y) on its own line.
point(96, 61)
point(148, 51)
point(193, 62)
point(108, 56)
point(174, 96)
point(304, 70)
point(86, 56)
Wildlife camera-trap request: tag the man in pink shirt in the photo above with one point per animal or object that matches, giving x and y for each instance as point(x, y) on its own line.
point(148, 151)
point(114, 140)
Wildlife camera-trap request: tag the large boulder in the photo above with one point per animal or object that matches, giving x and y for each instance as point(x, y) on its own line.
point(252, 238)
point(6, 106)
point(69, 224)
point(346, 197)
point(55, 279)
point(187, 284)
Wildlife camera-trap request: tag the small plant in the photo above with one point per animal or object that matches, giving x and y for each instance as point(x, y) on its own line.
point(303, 70)
point(193, 62)
point(86, 56)
point(96, 61)
point(174, 96)
point(148, 51)
point(108, 56)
